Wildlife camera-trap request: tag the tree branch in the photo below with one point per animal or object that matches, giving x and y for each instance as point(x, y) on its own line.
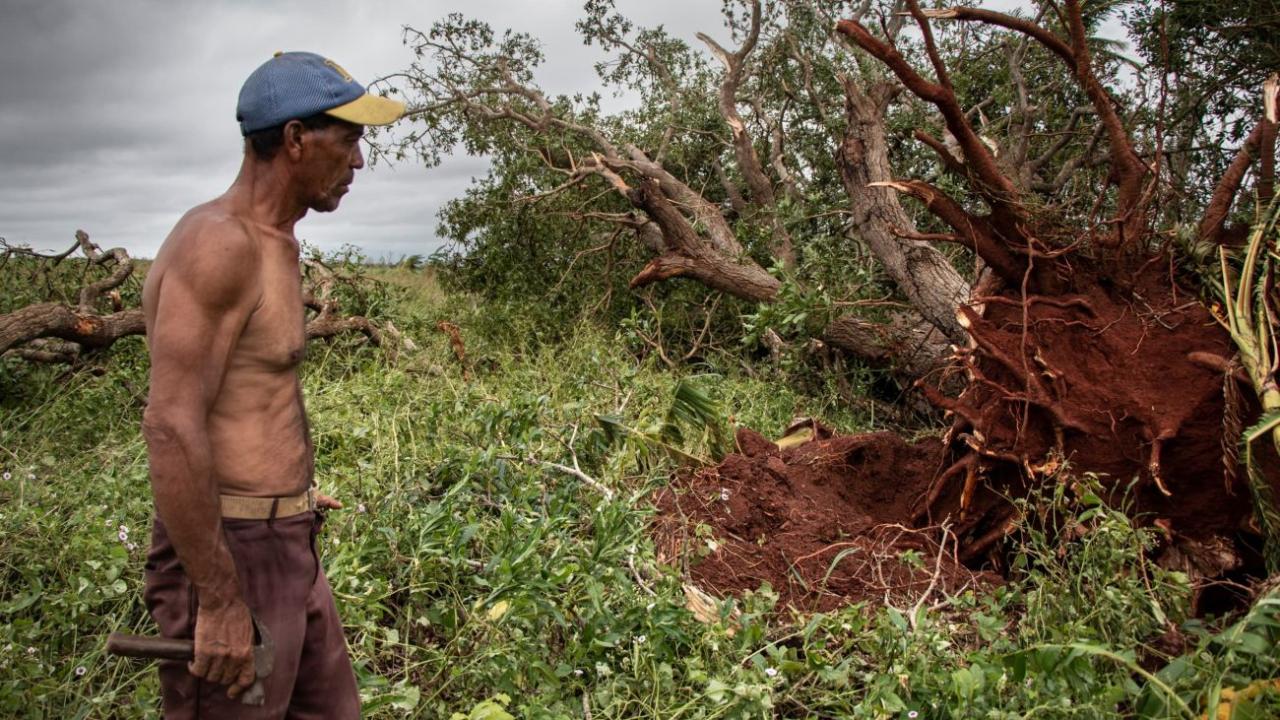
point(759, 186)
point(1017, 24)
point(989, 181)
point(1215, 214)
point(1128, 169)
point(974, 232)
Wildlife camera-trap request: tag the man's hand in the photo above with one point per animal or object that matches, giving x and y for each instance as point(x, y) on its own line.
point(326, 502)
point(224, 647)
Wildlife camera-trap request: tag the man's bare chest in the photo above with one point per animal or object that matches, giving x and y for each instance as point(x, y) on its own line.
point(274, 338)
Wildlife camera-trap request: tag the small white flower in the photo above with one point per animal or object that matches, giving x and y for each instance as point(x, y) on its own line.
point(361, 508)
point(913, 714)
point(124, 528)
point(578, 672)
point(771, 672)
point(31, 651)
point(80, 671)
point(8, 476)
point(640, 639)
point(335, 541)
point(124, 536)
point(650, 607)
point(130, 547)
point(724, 494)
point(31, 476)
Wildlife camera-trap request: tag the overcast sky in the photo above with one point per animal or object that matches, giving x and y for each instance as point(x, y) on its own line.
point(115, 117)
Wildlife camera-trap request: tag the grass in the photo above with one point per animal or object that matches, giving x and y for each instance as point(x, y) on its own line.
point(474, 579)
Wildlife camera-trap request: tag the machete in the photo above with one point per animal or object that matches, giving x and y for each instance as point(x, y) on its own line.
point(161, 648)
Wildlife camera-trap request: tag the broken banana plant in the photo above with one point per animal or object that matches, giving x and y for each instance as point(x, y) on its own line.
point(1252, 318)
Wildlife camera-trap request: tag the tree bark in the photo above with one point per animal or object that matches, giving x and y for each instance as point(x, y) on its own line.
point(61, 321)
point(905, 343)
point(921, 272)
point(688, 254)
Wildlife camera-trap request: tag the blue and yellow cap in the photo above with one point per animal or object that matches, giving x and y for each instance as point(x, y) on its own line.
point(295, 85)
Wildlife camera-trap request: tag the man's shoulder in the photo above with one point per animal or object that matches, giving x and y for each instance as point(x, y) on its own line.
point(212, 232)
point(212, 252)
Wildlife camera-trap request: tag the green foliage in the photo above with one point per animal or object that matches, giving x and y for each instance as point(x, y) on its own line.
point(474, 583)
point(1213, 57)
point(693, 420)
point(494, 708)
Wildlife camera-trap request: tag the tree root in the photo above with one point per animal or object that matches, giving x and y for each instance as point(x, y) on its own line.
point(1064, 303)
point(967, 464)
point(1006, 524)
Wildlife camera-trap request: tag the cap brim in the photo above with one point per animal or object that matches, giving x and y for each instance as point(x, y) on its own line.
point(369, 109)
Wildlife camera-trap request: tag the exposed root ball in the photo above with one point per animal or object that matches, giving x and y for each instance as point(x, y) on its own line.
point(1112, 381)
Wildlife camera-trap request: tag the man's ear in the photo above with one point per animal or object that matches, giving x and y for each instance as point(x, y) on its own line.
point(293, 133)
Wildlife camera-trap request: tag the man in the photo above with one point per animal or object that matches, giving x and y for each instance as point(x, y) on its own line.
point(230, 448)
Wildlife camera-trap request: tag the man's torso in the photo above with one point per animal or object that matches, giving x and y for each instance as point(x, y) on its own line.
point(257, 425)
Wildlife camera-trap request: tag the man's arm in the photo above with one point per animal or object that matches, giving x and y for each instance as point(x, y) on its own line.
point(203, 302)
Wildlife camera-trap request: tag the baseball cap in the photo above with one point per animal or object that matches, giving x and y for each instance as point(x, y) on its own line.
point(295, 85)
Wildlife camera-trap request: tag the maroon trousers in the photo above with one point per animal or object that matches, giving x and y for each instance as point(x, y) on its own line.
point(286, 589)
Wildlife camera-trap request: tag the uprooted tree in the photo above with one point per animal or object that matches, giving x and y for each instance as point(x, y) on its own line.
point(65, 331)
point(1083, 344)
point(1078, 339)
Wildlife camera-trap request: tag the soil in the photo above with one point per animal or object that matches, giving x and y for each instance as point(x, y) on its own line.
point(1107, 377)
point(825, 523)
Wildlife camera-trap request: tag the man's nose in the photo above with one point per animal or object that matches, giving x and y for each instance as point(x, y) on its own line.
point(357, 158)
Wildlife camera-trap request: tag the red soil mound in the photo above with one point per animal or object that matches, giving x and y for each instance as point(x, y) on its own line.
point(825, 523)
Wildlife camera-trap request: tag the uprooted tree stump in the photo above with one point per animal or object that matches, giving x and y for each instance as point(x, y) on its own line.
point(1082, 347)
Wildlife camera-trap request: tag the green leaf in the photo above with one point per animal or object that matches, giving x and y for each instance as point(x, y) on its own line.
point(716, 691)
point(495, 708)
point(408, 698)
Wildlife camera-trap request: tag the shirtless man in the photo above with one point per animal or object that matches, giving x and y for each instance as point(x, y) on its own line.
point(230, 450)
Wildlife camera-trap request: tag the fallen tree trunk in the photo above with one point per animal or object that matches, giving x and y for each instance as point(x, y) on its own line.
point(922, 273)
point(56, 320)
point(25, 332)
point(916, 349)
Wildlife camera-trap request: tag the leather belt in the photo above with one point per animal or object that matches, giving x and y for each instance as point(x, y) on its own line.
point(239, 507)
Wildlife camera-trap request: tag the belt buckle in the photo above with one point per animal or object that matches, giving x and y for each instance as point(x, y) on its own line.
point(311, 499)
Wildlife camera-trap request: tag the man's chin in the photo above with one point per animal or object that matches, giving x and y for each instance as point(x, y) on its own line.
point(325, 205)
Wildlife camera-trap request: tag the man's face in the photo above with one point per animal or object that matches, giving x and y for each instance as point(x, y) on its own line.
point(330, 157)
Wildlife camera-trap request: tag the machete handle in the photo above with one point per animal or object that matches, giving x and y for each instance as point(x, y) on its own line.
point(150, 647)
